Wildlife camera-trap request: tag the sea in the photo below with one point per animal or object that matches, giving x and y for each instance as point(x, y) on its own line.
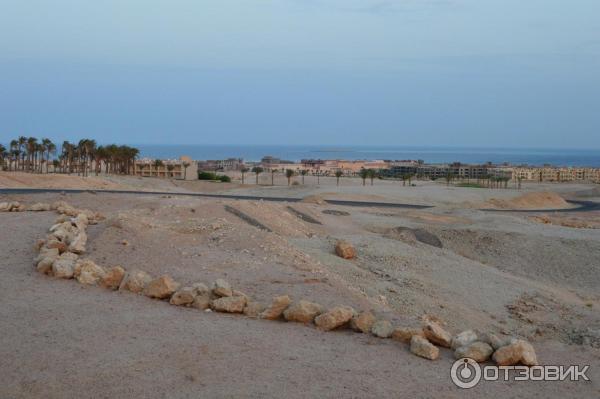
point(513, 156)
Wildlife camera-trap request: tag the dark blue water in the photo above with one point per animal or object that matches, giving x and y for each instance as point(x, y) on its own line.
point(537, 157)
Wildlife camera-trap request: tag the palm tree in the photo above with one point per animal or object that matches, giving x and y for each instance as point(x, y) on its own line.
point(14, 154)
point(50, 149)
point(157, 164)
point(31, 147)
point(404, 178)
point(364, 173)
point(372, 174)
point(258, 170)
point(273, 171)
point(338, 174)
point(3, 154)
point(40, 150)
point(303, 172)
point(244, 170)
point(22, 148)
point(170, 168)
point(67, 154)
point(289, 173)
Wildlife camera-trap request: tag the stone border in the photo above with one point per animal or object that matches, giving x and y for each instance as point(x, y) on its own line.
point(59, 256)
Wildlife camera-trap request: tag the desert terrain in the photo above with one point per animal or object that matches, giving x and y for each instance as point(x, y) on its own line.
point(497, 260)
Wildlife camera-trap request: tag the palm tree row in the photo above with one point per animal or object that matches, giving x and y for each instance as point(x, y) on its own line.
point(28, 154)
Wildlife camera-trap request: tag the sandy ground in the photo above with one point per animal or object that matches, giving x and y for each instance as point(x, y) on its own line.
point(501, 272)
point(109, 182)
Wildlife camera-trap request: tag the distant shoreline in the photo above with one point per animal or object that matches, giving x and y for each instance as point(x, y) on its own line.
point(431, 155)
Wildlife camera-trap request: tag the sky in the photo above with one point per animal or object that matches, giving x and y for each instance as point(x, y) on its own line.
point(481, 73)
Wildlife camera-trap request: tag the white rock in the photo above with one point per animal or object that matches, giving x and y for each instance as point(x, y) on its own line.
point(463, 339)
point(478, 351)
point(382, 329)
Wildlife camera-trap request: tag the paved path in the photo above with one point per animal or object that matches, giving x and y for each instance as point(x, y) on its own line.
point(582, 206)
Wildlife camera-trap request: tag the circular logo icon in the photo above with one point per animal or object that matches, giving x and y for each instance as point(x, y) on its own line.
point(465, 373)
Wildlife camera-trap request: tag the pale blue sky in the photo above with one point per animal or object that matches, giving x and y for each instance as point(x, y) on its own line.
point(512, 73)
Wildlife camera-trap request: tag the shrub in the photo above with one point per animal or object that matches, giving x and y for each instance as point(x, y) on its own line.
point(207, 176)
point(224, 179)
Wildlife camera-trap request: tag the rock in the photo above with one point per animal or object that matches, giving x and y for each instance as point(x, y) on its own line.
point(436, 334)
point(57, 226)
point(303, 312)
point(64, 232)
point(422, 347)
point(88, 273)
point(46, 252)
point(59, 204)
point(161, 288)
point(39, 207)
point(39, 243)
point(478, 351)
point(405, 334)
point(201, 302)
point(54, 243)
point(112, 279)
point(495, 341)
point(275, 310)
point(231, 304)
point(201, 289)
point(45, 265)
point(382, 329)
point(45, 260)
point(64, 266)
point(222, 288)
point(463, 339)
point(4, 207)
point(519, 351)
point(363, 322)
point(183, 297)
point(67, 210)
point(334, 318)
point(14, 206)
point(239, 293)
point(78, 244)
point(254, 309)
point(135, 281)
point(81, 221)
point(62, 219)
point(345, 250)
point(93, 217)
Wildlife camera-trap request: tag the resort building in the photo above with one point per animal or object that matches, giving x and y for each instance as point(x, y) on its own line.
point(556, 174)
point(228, 164)
point(183, 168)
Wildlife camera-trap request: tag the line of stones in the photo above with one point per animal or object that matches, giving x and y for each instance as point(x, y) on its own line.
point(59, 256)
